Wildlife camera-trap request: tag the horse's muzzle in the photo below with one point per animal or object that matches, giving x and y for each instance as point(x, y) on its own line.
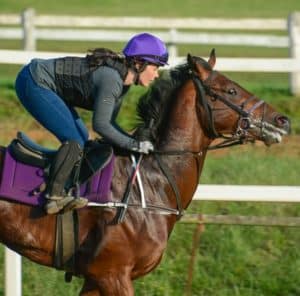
point(283, 122)
point(273, 132)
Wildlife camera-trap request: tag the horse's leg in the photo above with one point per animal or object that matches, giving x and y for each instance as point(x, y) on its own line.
point(116, 285)
point(110, 285)
point(90, 288)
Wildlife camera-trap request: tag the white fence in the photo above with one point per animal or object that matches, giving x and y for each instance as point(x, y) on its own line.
point(251, 193)
point(30, 28)
point(223, 64)
point(13, 273)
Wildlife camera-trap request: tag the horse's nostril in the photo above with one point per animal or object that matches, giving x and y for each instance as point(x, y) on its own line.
point(282, 121)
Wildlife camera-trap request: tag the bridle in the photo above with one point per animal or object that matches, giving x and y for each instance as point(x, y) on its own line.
point(246, 122)
point(247, 127)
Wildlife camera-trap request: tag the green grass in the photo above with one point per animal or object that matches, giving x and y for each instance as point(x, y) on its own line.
point(231, 260)
point(251, 167)
point(166, 8)
point(40, 280)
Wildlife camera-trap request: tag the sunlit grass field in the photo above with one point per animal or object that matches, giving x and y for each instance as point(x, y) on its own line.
point(231, 260)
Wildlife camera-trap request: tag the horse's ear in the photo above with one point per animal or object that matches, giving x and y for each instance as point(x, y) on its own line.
point(190, 61)
point(198, 68)
point(212, 58)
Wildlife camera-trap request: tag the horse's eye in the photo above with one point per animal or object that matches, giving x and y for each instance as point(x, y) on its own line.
point(232, 91)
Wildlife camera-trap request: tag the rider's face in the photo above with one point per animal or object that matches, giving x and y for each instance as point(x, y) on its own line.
point(148, 75)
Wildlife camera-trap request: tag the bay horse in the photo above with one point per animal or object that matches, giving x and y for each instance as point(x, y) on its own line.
point(189, 108)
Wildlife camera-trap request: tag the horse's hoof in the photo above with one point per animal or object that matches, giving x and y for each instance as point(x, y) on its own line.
point(55, 206)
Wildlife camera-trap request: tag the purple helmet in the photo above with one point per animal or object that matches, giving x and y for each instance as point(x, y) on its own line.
point(147, 47)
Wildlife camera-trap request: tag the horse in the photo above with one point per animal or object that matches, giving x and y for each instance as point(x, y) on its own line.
point(188, 108)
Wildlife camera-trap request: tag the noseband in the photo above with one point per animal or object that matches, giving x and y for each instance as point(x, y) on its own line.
point(246, 122)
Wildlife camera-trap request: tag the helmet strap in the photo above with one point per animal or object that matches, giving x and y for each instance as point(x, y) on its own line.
point(137, 71)
point(143, 67)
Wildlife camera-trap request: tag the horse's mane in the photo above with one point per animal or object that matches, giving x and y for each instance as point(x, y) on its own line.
point(153, 105)
point(156, 102)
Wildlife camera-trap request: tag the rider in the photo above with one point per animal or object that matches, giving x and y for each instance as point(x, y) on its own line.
point(50, 89)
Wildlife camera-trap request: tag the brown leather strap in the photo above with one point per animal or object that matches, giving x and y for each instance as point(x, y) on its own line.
point(67, 242)
point(166, 171)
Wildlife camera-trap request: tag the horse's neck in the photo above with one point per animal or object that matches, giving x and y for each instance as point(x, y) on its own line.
point(183, 130)
point(184, 133)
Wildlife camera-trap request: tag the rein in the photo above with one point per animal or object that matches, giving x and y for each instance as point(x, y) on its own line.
point(239, 137)
point(245, 122)
point(177, 152)
point(168, 174)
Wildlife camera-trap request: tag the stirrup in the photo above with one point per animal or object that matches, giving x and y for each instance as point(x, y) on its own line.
point(76, 203)
point(55, 206)
point(54, 197)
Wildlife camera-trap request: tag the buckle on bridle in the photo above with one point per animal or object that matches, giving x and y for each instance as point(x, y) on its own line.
point(244, 123)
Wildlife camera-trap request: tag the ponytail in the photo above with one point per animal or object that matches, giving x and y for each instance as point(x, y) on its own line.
point(97, 56)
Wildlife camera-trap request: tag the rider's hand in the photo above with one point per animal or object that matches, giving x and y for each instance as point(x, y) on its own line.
point(145, 147)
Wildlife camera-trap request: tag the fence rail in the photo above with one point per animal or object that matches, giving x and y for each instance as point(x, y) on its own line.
point(280, 65)
point(241, 220)
point(170, 37)
point(253, 193)
point(149, 22)
point(31, 27)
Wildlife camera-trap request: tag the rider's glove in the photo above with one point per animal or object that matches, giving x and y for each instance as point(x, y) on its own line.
point(145, 147)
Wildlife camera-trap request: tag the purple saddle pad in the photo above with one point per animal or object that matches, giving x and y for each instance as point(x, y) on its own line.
point(20, 182)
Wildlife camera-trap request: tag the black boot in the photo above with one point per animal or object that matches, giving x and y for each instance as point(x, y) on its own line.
point(67, 157)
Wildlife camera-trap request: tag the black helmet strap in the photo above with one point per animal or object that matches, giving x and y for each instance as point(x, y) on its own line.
point(132, 64)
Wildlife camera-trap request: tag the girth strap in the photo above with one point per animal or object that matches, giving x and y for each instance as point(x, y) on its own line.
point(166, 171)
point(67, 241)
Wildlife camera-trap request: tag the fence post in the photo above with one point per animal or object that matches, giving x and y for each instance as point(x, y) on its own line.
point(13, 273)
point(196, 238)
point(29, 40)
point(172, 44)
point(294, 39)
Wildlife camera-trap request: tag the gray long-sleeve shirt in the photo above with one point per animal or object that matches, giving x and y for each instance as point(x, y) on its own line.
point(107, 92)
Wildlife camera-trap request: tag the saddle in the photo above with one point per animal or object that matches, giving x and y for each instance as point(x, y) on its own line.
point(26, 168)
point(96, 155)
point(28, 152)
